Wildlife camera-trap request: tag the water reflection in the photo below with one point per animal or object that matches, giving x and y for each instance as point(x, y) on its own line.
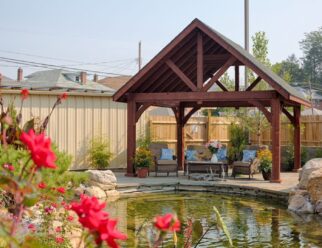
point(251, 222)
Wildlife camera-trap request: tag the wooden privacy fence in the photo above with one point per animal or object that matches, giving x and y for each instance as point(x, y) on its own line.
point(200, 130)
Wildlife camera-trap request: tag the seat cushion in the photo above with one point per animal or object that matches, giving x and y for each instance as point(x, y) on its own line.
point(191, 155)
point(166, 154)
point(167, 162)
point(248, 155)
point(241, 164)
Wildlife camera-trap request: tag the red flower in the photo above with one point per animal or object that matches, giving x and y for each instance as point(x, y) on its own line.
point(61, 190)
point(63, 96)
point(167, 222)
point(9, 167)
point(42, 185)
point(40, 149)
point(58, 229)
point(90, 212)
point(32, 227)
point(54, 205)
point(70, 218)
point(59, 240)
point(108, 233)
point(24, 94)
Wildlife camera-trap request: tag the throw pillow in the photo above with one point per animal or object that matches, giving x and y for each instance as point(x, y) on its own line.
point(191, 155)
point(249, 155)
point(222, 154)
point(166, 154)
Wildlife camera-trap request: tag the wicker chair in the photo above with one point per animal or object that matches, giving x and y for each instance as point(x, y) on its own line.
point(246, 168)
point(163, 166)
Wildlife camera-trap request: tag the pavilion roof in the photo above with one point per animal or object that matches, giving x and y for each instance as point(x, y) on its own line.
point(180, 55)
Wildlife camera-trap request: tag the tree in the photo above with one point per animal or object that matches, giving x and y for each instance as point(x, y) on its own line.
point(290, 69)
point(260, 52)
point(311, 46)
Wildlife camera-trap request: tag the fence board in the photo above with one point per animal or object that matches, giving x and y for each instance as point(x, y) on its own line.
point(200, 130)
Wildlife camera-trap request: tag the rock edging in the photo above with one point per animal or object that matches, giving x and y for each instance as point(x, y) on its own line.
point(306, 197)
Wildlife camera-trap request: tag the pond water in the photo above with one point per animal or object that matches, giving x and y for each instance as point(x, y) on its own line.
point(251, 222)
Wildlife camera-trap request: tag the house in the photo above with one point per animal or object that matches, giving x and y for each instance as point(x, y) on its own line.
point(114, 82)
point(310, 92)
point(88, 112)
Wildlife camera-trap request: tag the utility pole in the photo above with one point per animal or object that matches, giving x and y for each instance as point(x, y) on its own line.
point(139, 57)
point(246, 16)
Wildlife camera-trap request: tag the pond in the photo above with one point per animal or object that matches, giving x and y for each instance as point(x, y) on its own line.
point(251, 222)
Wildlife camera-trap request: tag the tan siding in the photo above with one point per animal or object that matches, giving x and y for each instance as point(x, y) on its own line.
point(80, 118)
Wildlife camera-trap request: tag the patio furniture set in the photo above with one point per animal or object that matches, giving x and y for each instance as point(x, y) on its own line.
point(197, 160)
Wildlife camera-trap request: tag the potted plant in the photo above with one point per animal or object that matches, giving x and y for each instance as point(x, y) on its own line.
point(142, 161)
point(265, 166)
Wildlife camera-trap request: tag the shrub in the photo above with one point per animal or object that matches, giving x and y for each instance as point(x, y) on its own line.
point(265, 157)
point(99, 154)
point(238, 140)
point(318, 153)
point(143, 158)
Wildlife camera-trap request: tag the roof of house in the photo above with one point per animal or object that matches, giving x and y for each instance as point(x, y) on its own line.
point(57, 79)
point(152, 76)
point(114, 82)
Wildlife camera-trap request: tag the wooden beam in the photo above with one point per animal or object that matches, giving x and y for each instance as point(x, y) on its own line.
point(131, 137)
point(161, 55)
point(276, 140)
point(199, 61)
point(219, 73)
point(191, 112)
point(253, 84)
point(181, 75)
point(264, 110)
point(215, 58)
point(205, 96)
point(288, 115)
point(221, 86)
point(236, 78)
point(297, 138)
point(141, 110)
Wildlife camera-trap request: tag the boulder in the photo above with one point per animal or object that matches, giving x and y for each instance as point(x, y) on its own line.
point(104, 187)
point(308, 168)
point(95, 191)
point(112, 195)
point(299, 202)
point(105, 177)
point(318, 207)
point(314, 185)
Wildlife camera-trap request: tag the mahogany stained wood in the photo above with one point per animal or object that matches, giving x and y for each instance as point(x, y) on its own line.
point(131, 137)
point(181, 75)
point(253, 84)
point(199, 61)
point(297, 137)
point(219, 73)
point(264, 110)
point(276, 140)
point(288, 115)
point(236, 78)
point(221, 86)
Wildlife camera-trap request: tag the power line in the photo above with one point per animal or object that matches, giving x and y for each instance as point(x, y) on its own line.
point(52, 66)
point(67, 60)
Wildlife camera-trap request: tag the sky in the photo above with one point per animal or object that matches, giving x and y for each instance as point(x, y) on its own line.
point(79, 32)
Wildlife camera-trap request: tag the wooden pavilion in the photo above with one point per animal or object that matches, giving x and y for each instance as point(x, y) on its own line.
point(181, 74)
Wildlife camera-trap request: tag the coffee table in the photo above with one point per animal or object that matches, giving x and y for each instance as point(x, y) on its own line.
point(207, 167)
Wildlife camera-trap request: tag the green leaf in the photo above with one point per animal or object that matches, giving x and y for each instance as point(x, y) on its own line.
point(29, 125)
point(223, 226)
point(197, 231)
point(30, 200)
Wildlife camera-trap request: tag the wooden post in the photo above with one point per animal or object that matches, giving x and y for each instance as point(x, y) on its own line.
point(276, 140)
point(200, 69)
point(297, 138)
point(236, 78)
point(131, 137)
point(180, 138)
